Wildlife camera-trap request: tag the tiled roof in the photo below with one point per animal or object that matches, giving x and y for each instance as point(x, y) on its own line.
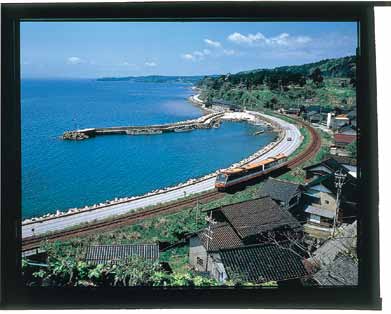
point(342, 272)
point(344, 160)
point(330, 163)
point(352, 114)
point(257, 216)
point(342, 116)
point(349, 189)
point(262, 263)
point(347, 130)
point(279, 190)
point(344, 138)
point(345, 240)
point(223, 237)
point(102, 254)
point(319, 211)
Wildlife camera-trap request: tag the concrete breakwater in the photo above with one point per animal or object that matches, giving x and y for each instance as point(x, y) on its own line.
point(204, 122)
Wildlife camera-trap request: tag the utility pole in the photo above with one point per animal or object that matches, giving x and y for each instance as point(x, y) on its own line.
point(339, 181)
point(208, 234)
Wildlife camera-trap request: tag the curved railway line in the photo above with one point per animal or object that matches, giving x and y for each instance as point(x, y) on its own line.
point(31, 243)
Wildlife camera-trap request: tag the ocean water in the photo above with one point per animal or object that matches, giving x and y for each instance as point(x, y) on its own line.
point(59, 174)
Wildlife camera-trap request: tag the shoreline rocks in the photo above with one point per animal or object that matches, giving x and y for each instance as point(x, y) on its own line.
point(74, 136)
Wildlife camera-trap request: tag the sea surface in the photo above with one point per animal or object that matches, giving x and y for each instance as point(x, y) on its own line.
point(58, 175)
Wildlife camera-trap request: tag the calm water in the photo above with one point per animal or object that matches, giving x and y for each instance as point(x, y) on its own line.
point(60, 174)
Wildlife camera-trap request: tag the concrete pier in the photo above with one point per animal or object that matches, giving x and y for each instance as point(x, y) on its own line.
point(204, 122)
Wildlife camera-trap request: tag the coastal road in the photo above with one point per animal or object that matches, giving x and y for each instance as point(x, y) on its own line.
point(67, 221)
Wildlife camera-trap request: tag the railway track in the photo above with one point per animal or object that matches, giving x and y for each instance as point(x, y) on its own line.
point(34, 242)
point(31, 243)
point(310, 151)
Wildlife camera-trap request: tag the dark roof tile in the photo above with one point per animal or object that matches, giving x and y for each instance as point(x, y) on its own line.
point(342, 272)
point(257, 216)
point(223, 237)
point(102, 254)
point(279, 190)
point(262, 263)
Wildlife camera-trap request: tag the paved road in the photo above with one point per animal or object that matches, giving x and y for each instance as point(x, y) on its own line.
point(285, 146)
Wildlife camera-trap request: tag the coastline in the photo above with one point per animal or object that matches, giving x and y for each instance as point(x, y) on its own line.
point(194, 99)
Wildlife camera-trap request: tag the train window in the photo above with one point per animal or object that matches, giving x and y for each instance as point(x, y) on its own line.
point(221, 178)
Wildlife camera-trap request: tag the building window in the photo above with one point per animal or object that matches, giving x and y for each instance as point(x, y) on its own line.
point(200, 261)
point(315, 218)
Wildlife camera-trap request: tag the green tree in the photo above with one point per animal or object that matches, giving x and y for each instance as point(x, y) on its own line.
point(317, 77)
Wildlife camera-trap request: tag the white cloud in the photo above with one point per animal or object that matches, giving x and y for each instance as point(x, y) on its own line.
point(303, 39)
point(249, 39)
point(212, 43)
point(74, 60)
point(258, 39)
point(150, 64)
point(196, 55)
point(188, 56)
point(229, 52)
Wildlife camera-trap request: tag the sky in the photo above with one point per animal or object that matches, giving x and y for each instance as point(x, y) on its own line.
point(102, 49)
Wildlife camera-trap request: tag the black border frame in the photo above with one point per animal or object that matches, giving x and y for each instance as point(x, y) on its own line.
point(14, 295)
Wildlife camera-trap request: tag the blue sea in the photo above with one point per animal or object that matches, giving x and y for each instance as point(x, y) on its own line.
point(59, 174)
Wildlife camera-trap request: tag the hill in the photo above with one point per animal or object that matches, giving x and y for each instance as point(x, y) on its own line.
point(341, 67)
point(327, 83)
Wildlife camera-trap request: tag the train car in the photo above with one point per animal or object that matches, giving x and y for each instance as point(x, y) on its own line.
point(230, 177)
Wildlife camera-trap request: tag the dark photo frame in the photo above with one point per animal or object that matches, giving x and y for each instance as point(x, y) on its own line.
point(15, 295)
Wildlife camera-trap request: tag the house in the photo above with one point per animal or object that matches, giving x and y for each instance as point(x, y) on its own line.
point(348, 163)
point(342, 140)
point(238, 225)
point(294, 111)
point(342, 272)
point(254, 218)
point(333, 262)
point(113, 254)
point(344, 242)
point(314, 117)
point(286, 194)
point(352, 115)
point(321, 198)
point(347, 129)
point(323, 168)
point(340, 120)
point(321, 203)
point(262, 263)
point(203, 253)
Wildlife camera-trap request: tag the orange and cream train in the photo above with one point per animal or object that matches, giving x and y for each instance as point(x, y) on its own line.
point(231, 177)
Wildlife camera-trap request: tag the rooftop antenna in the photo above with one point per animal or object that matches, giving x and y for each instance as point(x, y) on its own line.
point(339, 181)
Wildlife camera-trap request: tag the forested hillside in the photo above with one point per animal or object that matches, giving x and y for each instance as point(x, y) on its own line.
point(328, 83)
